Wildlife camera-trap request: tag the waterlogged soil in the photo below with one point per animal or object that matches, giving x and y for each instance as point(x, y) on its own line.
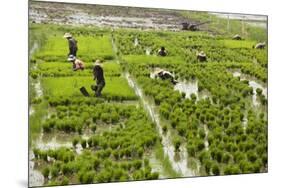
point(105, 16)
point(178, 160)
point(206, 143)
point(183, 86)
point(156, 165)
point(35, 176)
point(254, 83)
point(191, 87)
point(38, 89)
point(56, 141)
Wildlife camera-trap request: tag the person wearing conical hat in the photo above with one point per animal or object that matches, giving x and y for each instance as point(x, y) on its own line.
point(72, 44)
point(237, 37)
point(77, 64)
point(99, 77)
point(201, 56)
point(260, 45)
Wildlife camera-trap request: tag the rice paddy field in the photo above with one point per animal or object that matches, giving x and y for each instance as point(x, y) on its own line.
point(212, 122)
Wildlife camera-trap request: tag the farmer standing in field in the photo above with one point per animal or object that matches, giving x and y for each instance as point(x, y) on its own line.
point(77, 64)
point(162, 52)
point(98, 76)
point(72, 43)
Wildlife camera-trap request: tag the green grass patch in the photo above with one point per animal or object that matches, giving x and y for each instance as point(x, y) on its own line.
point(111, 68)
point(237, 44)
point(152, 59)
point(69, 86)
point(36, 119)
point(89, 48)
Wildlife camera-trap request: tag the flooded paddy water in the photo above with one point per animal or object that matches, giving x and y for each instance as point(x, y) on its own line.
point(253, 83)
point(35, 176)
point(191, 87)
point(178, 160)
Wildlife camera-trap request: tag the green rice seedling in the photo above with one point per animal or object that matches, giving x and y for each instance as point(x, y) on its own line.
point(138, 175)
point(69, 86)
point(226, 158)
point(237, 44)
point(165, 128)
point(231, 169)
point(56, 48)
point(84, 143)
point(246, 167)
point(177, 143)
point(46, 172)
point(86, 177)
point(140, 152)
point(153, 176)
point(252, 156)
point(65, 181)
point(215, 169)
point(54, 171)
point(204, 156)
point(208, 166)
point(36, 153)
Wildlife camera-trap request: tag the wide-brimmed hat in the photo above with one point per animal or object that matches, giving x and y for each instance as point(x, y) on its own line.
point(202, 54)
point(97, 62)
point(67, 35)
point(71, 58)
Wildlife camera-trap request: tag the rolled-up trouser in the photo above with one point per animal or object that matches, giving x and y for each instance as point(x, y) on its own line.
point(98, 88)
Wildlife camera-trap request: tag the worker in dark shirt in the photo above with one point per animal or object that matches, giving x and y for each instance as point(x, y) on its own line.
point(98, 76)
point(162, 51)
point(201, 56)
point(72, 43)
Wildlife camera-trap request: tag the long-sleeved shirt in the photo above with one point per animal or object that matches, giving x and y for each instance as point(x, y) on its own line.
point(78, 64)
point(98, 73)
point(72, 44)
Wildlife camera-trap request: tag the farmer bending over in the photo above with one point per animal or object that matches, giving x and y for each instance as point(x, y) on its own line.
point(201, 56)
point(77, 64)
point(72, 43)
point(162, 51)
point(98, 76)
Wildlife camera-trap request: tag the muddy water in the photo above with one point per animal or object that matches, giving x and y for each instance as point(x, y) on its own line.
point(35, 176)
point(253, 83)
point(191, 87)
point(206, 142)
point(156, 166)
point(178, 160)
point(46, 142)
